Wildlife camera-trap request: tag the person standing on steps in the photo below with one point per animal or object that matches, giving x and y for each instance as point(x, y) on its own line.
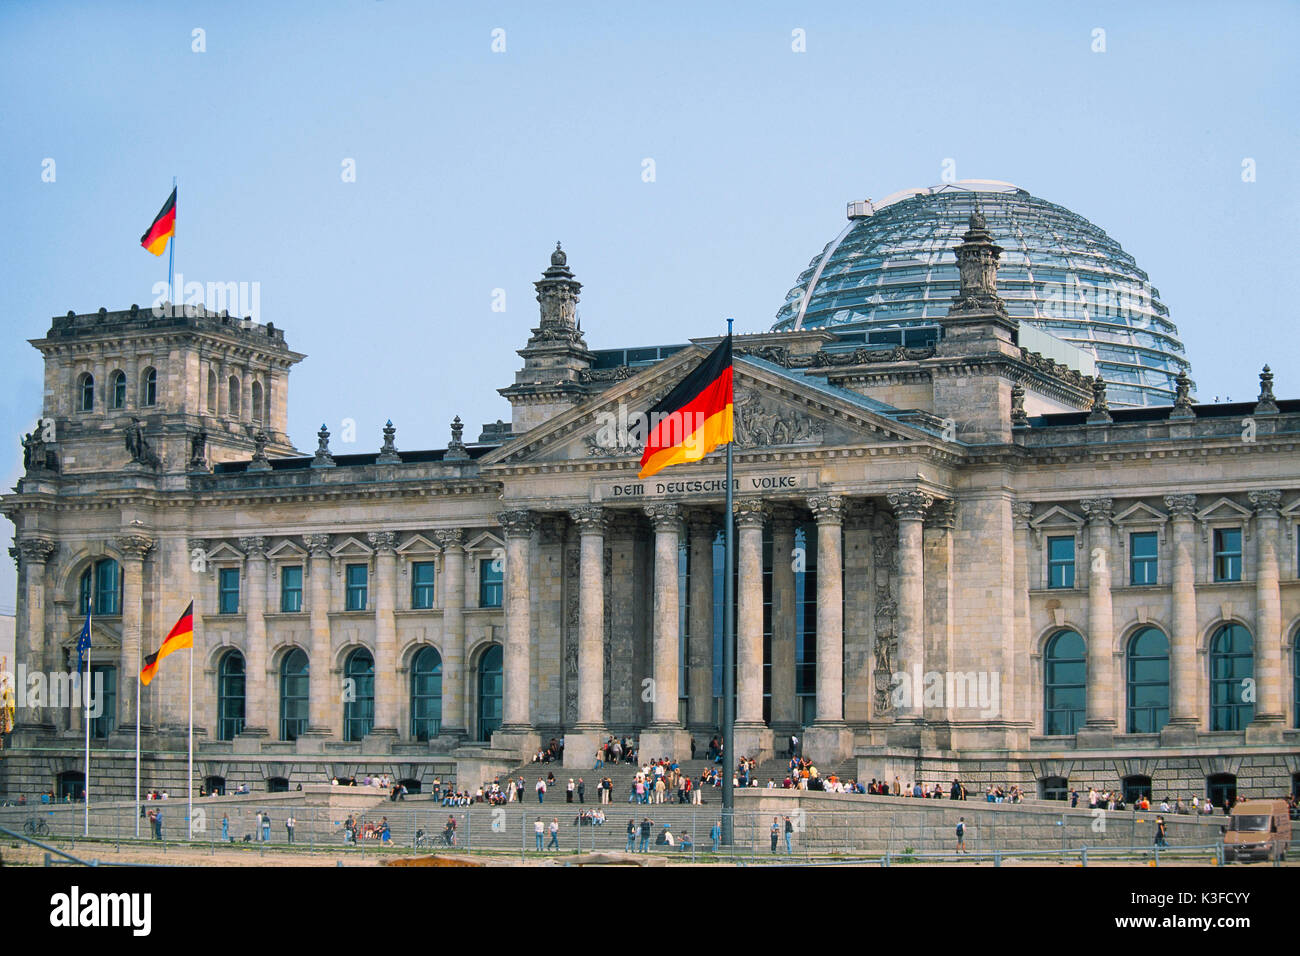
point(568, 792)
point(541, 790)
point(1160, 831)
point(646, 824)
point(539, 828)
point(289, 824)
point(961, 835)
point(789, 829)
point(776, 829)
point(555, 834)
point(582, 791)
point(631, 834)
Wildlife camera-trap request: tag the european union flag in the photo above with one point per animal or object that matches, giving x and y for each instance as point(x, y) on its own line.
point(83, 645)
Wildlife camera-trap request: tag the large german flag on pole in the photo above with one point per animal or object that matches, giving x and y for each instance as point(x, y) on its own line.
point(694, 418)
point(163, 227)
point(180, 636)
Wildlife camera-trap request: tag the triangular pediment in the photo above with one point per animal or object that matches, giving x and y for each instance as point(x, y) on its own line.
point(1140, 513)
point(351, 547)
point(418, 544)
point(775, 411)
point(1224, 509)
point(1057, 517)
point(287, 548)
point(225, 551)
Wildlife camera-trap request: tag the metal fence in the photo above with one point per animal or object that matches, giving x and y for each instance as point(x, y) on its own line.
point(882, 835)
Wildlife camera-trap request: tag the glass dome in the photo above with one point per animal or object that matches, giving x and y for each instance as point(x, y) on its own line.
point(894, 266)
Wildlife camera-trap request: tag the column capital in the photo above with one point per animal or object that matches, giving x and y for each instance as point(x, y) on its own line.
point(197, 544)
point(450, 539)
point(910, 505)
point(749, 512)
point(1267, 503)
point(518, 522)
point(1181, 506)
point(317, 544)
point(134, 546)
point(253, 547)
point(827, 509)
point(943, 514)
point(1021, 513)
point(36, 548)
point(1098, 510)
point(665, 517)
point(590, 519)
point(384, 542)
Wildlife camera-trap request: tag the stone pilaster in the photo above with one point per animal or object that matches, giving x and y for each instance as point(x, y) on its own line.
point(1184, 675)
point(786, 718)
point(591, 522)
point(386, 689)
point(1100, 726)
point(30, 647)
point(1017, 666)
point(455, 719)
point(753, 738)
point(255, 590)
point(321, 710)
point(910, 508)
point(702, 528)
point(517, 731)
point(133, 548)
point(1269, 712)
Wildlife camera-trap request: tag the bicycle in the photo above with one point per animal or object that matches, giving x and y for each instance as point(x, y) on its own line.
point(36, 827)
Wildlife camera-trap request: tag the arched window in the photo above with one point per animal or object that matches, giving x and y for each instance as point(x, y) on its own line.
point(100, 589)
point(1054, 788)
point(212, 392)
point(294, 685)
point(359, 688)
point(230, 696)
point(72, 786)
point(1221, 789)
point(86, 392)
point(149, 388)
point(234, 396)
point(489, 692)
point(1148, 681)
point(426, 695)
point(256, 402)
point(117, 383)
point(411, 784)
point(215, 786)
point(1065, 683)
point(1136, 785)
point(1232, 667)
point(277, 784)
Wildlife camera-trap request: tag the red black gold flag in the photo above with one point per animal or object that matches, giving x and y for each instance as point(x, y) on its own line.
point(163, 227)
point(182, 635)
point(694, 418)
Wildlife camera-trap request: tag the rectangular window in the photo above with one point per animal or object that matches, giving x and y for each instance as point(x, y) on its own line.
point(490, 583)
point(1227, 554)
point(291, 589)
point(357, 578)
point(422, 585)
point(107, 588)
point(228, 591)
point(1143, 558)
point(1060, 562)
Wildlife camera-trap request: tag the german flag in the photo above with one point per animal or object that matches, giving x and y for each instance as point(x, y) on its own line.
point(182, 635)
point(694, 418)
point(163, 227)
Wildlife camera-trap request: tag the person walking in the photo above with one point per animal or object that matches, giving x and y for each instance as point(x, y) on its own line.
point(539, 828)
point(1074, 798)
point(555, 834)
point(1160, 832)
point(541, 790)
point(961, 835)
point(289, 824)
point(776, 830)
point(789, 829)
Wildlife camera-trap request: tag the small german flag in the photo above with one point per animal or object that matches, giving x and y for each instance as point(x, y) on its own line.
point(182, 635)
point(163, 227)
point(694, 418)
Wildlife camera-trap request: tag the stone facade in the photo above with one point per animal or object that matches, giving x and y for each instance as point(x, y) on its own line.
point(961, 508)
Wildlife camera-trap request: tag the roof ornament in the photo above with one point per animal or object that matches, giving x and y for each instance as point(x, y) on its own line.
point(388, 451)
point(977, 263)
point(260, 462)
point(1100, 413)
point(1182, 397)
point(558, 258)
point(1018, 417)
point(323, 458)
point(1267, 402)
point(456, 447)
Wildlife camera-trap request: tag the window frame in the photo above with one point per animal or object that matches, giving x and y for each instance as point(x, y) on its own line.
point(286, 591)
point(1238, 708)
point(116, 385)
point(1133, 710)
point(484, 583)
point(229, 725)
point(223, 591)
point(351, 589)
point(1054, 563)
point(428, 591)
point(85, 388)
point(424, 726)
point(1153, 560)
point(149, 387)
point(359, 712)
point(291, 728)
point(1216, 554)
point(1078, 714)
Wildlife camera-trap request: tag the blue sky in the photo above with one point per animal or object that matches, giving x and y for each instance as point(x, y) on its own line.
point(470, 164)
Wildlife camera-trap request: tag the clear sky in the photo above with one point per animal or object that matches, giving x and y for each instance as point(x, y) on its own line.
point(471, 163)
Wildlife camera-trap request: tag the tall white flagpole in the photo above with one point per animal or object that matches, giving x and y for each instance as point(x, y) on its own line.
point(138, 682)
point(86, 787)
point(189, 773)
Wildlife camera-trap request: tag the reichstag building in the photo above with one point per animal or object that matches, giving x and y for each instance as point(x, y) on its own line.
point(983, 529)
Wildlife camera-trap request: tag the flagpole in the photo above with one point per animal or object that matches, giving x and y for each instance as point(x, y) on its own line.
point(728, 661)
point(86, 692)
point(171, 257)
point(137, 749)
point(189, 773)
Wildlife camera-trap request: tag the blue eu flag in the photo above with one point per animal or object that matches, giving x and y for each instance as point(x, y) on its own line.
point(83, 645)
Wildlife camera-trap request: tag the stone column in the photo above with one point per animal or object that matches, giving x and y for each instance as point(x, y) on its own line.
point(386, 691)
point(1269, 712)
point(829, 739)
point(910, 508)
point(1017, 665)
point(786, 718)
point(133, 548)
point(455, 721)
point(699, 676)
point(322, 714)
point(1184, 675)
point(753, 738)
point(30, 646)
point(517, 731)
point(589, 731)
point(255, 588)
point(1101, 702)
point(665, 736)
